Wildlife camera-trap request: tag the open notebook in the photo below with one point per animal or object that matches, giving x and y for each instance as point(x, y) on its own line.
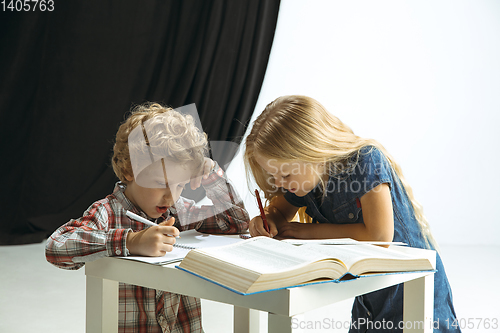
point(189, 240)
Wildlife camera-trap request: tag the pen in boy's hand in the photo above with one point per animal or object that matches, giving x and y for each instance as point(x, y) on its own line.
point(143, 220)
point(262, 213)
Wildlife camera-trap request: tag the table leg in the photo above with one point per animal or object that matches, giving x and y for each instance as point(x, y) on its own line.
point(279, 323)
point(102, 305)
point(246, 320)
point(418, 305)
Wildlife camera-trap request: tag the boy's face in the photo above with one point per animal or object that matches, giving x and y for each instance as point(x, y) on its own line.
point(158, 187)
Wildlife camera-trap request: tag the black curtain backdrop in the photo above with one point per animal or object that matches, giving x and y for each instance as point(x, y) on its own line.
point(69, 76)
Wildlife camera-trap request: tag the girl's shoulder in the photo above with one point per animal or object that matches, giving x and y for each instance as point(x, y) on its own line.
point(365, 157)
point(369, 164)
point(371, 151)
point(371, 155)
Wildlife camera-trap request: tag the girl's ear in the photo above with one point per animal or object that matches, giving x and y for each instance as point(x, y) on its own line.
point(321, 169)
point(128, 177)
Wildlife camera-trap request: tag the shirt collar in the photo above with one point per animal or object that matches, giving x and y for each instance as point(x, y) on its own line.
point(119, 193)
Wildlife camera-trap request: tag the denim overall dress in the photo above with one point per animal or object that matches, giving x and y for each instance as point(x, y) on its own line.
point(372, 312)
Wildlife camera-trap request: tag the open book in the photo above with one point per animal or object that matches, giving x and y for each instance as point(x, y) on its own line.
point(189, 239)
point(335, 241)
point(261, 263)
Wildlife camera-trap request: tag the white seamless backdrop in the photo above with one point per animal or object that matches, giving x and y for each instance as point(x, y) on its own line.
point(421, 77)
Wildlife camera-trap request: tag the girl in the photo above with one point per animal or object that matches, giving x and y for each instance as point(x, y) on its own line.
point(308, 162)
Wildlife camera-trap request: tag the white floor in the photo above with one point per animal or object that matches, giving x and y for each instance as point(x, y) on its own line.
point(38, 297)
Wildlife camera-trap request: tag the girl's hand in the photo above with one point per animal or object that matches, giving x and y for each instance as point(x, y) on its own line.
point(256, 227)
point(208, 165)
point(153, 241)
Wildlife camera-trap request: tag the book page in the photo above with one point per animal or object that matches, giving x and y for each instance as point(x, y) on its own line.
point(189, 239)
point(335, 241)
point(177, 254)
point(265, 255)
point(192, 239)
point(350, 254)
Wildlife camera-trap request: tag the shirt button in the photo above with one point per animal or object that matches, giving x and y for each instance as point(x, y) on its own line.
point(351, 215)
point(118, 252)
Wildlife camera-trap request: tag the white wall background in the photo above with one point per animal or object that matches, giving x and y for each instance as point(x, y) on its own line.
point(421, 77)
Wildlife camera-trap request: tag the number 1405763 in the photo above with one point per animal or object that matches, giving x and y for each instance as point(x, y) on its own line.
point(27, 5)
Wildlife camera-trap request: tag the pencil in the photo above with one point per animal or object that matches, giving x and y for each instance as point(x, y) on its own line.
point(262, 213)
point(143, 220)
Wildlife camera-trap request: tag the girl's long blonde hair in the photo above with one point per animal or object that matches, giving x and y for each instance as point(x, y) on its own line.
point(299, 128)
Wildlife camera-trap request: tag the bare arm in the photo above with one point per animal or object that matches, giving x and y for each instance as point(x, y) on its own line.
point(377, 215)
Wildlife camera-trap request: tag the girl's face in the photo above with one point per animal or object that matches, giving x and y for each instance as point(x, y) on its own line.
point(297, 177)
point(157, 188)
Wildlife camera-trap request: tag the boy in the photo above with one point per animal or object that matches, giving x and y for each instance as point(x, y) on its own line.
point(158, 151)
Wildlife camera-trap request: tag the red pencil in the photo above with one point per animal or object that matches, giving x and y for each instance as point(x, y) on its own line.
point(262, 213)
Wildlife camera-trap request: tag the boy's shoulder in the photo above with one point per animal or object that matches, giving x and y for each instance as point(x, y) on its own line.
point(111, 203)
point(106, 205)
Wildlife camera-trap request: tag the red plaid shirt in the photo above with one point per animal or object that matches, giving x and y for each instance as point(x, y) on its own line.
point(102, 232)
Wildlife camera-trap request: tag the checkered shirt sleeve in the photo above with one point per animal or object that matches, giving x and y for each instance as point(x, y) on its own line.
point(226, 215)
point(102, 232)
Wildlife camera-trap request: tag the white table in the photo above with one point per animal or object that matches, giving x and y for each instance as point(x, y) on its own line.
point(104, 274)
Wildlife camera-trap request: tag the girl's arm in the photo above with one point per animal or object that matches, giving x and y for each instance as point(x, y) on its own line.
point(377, 215)
point(278, 213)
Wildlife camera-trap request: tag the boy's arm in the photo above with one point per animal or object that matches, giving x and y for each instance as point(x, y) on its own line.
point(85, 239)
point(226, 215)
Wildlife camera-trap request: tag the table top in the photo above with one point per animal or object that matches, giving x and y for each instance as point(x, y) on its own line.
point(288, 301)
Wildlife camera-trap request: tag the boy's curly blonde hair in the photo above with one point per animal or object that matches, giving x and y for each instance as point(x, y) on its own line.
point(167, 134)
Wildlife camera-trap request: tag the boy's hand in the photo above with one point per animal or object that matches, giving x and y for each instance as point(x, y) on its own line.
point(256, 227)
point(153, 241)
point(203, 174)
